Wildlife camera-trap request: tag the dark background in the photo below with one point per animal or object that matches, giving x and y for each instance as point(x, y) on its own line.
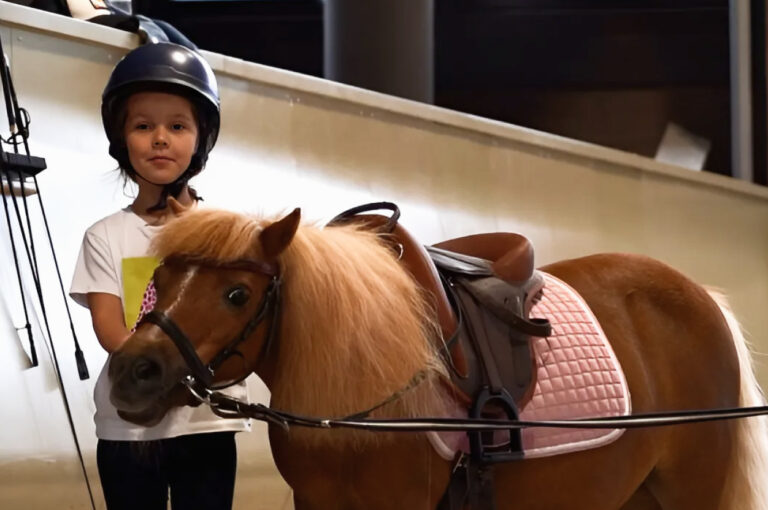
point(614, 73)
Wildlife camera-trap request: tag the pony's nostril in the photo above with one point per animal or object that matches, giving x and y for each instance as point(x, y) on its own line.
point(146, 370)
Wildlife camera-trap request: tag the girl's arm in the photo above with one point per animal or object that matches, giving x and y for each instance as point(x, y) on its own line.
point(108, 320)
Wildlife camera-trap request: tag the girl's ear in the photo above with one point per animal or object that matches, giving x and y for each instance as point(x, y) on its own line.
point(276, 237)
point(176, 208)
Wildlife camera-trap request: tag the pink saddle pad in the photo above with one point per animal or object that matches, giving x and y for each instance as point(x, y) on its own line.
point(578, 377)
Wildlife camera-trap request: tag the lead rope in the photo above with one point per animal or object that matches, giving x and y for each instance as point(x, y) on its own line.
point(19, 128)
point(233, 408)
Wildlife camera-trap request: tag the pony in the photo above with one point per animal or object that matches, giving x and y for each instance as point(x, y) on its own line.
point(333, 324)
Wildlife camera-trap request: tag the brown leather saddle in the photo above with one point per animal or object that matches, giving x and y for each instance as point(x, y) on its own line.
point(482, 288)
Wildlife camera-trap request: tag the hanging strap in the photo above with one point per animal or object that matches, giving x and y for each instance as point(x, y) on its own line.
point(19, 129)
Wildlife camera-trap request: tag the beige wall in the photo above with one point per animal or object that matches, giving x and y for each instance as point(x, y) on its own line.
point(289, 140)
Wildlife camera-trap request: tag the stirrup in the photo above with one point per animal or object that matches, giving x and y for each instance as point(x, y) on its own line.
point(482, 447)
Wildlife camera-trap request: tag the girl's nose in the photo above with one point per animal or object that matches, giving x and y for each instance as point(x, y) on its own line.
point(159, 139)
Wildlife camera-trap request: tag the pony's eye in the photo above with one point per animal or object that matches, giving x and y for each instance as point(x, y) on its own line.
point(237, 296)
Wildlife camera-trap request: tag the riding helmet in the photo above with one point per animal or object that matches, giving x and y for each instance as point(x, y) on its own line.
point(162, 67)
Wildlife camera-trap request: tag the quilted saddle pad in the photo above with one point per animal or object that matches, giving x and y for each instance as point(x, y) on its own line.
point(578, 376)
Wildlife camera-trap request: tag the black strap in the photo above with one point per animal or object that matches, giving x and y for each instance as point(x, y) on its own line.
point(270, 302)
point(27, 325)
point(19, 129)
point(185, 348)
point(238, 409)
point(348, 215)
point(252, 265)
point(456, 494)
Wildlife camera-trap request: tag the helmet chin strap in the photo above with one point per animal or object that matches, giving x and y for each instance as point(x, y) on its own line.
point(165, 188)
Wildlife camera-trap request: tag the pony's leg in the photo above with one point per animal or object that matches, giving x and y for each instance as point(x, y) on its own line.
point(694, 474)
point(677, 353)
point(744, 471)
point(642, 500)
point(300, 504)
point(397, 472)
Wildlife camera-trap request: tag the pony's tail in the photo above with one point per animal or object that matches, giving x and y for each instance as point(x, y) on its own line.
point(747, 487)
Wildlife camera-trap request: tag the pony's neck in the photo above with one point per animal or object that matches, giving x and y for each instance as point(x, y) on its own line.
point(355, 329)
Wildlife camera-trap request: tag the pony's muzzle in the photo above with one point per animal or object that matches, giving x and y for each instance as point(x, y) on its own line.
point(146, 371)
point(137, 381)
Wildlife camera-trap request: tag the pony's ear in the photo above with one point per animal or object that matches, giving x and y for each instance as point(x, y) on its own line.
point(176, 208)
point(277, 236)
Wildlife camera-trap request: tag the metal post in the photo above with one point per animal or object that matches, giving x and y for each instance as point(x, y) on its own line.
point(383, 45)
point(741, 90)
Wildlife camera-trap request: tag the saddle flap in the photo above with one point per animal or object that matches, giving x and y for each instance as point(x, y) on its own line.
point(509, 303)
point(498, 353)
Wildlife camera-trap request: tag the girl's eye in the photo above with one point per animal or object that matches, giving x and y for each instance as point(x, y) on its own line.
point(178, 127)
point(237, 296)
point(142, 126)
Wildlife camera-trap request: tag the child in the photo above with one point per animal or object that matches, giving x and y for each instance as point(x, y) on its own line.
point(160, 110)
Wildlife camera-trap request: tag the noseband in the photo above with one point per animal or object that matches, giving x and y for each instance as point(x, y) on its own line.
point(269, 308)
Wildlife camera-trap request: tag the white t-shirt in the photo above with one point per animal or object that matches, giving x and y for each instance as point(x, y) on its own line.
point(113, 259)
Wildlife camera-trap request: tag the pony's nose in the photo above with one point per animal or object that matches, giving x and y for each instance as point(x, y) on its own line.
point(146, 372)
point(135, 379)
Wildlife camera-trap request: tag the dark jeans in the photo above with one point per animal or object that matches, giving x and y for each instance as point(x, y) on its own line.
point(199, 469)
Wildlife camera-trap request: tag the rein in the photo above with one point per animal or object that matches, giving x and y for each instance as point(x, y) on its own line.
point(229, 407)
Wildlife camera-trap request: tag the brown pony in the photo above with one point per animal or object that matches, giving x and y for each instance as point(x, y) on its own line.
point(354, 329)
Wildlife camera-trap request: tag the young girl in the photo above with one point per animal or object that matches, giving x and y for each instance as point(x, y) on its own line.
point(160, 110)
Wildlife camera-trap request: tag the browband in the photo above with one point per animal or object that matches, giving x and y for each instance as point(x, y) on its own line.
point(252, 265)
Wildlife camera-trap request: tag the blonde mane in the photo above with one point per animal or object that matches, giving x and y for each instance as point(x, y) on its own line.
point(355, 326)
point(211, 234)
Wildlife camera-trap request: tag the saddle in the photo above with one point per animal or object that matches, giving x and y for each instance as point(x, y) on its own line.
point(482, 288)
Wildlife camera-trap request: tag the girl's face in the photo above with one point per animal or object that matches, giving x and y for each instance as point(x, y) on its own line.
point(160, 135)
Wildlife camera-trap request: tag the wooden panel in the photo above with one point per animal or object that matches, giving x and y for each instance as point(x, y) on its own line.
point(609, 74)
point(633, 120)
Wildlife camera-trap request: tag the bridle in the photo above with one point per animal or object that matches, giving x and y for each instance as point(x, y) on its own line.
point(268, 309)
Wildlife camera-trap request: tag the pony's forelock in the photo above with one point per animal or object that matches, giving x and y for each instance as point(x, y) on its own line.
point(209, 233)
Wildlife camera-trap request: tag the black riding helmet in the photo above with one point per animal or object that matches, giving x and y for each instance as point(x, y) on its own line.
point(162, 67)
